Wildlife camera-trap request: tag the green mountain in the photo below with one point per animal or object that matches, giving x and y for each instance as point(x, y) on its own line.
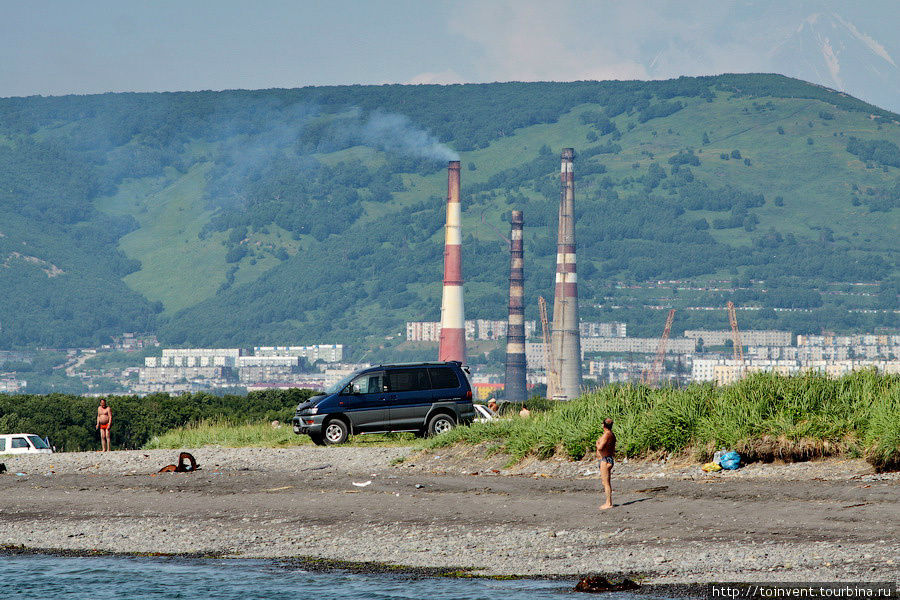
point(316, 214)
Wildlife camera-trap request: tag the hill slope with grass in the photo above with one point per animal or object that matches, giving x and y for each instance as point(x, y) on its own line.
point(315, 214)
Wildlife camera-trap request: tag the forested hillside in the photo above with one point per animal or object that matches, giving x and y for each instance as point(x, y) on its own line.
point(316, 214)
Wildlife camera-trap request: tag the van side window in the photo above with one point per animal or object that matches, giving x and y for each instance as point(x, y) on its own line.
point(369, 383)
point(19, 443)
point(443, 378)
point(408, 380)
point(2, 444)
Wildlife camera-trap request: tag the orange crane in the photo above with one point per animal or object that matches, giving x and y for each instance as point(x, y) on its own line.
point(552, 383)
point(736, 337)
point(653, 377)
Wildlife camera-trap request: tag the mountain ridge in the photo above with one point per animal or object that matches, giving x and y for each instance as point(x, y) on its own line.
point(223, 206)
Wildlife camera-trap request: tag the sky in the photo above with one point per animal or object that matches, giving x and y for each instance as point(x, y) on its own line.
point(94, 46)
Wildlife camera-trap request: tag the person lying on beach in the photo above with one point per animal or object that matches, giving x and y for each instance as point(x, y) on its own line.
point(104, 420)
point(524, 413)
point(606, 450)
point(493, 406)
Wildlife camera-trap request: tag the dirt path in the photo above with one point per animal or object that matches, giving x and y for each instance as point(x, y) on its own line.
point(819, 521)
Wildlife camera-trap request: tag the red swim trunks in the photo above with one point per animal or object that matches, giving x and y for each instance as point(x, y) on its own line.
point(104, 425)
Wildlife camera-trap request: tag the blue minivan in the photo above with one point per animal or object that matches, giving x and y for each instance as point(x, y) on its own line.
point(425, 398)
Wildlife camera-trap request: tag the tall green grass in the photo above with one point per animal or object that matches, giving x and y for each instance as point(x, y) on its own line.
point(228, 435)
point(764, 417)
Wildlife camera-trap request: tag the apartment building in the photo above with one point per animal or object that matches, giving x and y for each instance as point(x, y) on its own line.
point(476, 329)
point(724, 371)
point(751, 337)
point(330, 353)
point(195, 357)
point(634, 344)
point(11, 385)
point(612, 329)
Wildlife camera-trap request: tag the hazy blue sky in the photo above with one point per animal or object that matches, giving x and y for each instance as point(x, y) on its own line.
point(85, 46)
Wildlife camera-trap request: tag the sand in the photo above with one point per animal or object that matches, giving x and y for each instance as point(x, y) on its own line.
point(672, 523)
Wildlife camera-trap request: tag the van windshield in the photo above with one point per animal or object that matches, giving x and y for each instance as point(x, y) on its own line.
point(337, 387)
point(38, 442)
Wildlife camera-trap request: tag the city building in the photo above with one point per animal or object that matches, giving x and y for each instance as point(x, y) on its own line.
point(11, 385)
point(613, 329)
point(329, 353)
point(476, 329)
point(750, 337)
point(634, 344)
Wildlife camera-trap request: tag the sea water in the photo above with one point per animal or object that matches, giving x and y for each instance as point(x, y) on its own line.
point(42, 577)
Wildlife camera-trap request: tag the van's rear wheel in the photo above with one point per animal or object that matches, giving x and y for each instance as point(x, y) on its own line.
point(336, 431)
point(440, 424)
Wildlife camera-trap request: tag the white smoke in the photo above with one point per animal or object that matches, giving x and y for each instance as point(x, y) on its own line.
point(393, 132)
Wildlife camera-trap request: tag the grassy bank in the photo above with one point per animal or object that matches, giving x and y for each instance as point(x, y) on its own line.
point(228, 435)
point(764, 417)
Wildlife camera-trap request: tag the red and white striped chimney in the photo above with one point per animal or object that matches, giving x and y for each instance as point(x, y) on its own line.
point(453, 322)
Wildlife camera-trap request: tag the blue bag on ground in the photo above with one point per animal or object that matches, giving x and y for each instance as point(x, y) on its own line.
point(730, 461)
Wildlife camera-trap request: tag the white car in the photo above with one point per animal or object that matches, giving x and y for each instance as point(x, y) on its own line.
point(483, 413)
point(23, 443)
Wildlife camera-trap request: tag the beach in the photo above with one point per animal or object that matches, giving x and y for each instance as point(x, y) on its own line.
point(823, 520)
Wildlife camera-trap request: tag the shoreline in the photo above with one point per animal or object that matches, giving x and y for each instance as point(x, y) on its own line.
point(320, 565)
point(454, 512)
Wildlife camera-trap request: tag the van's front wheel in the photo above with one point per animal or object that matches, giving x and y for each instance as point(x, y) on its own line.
point(335, 432)
point(440, 424)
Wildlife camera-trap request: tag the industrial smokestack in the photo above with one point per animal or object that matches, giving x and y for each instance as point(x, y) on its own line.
point(565, 344)
point(453, 323)
point(514, 390)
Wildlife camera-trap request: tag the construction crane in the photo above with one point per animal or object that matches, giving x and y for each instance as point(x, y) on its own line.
point(653, 378)
point(552, 382)
point(736, 338)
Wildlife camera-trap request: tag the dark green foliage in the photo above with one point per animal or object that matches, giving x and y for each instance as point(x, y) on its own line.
point(600, 122)
point(70, 421)
point(662, 109)
point(883, 152)
point(685, 157)
point(882, 199)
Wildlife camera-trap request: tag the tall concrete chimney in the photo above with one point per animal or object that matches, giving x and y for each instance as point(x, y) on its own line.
point(565, 342)
point(514, 390)
point(453, 323)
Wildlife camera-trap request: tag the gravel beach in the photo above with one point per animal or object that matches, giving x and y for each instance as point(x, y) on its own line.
point(672, 523)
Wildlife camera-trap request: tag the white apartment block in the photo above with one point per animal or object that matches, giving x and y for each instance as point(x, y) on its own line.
point(195, 357)
point(476, 329)
point(725, 371)
point(423, 331)
point(155, 375)
point(640, 345)
point(613, 329)
point(535, 359)
point(329, 353)
point(252, 369)
point(751, 337)
point(12, 385)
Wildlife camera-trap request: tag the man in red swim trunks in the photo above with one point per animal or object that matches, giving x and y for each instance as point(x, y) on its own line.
point(104, 420)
